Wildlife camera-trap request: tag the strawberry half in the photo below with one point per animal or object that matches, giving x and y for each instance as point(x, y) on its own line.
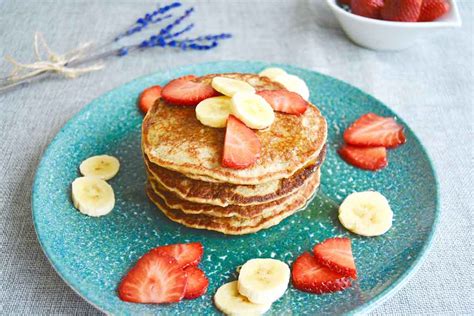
point(197, 283)
point(401, 10)
point(373, 130)
point(148, 97)
point(433, 9)
point(367, 8)
point(187, 91)
point(336, 254)
point(310, 276)
point(154, 279)
point(368, 158)
point(285, 101)
point(241, 145)
point(185, 254)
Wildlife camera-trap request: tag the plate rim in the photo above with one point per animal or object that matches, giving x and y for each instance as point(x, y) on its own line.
point(375, 301)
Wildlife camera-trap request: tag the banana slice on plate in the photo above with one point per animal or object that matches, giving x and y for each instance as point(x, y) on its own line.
point(366, 213)
point(229, 86)
point(253, 110)
point(263, 281)
point(272, 72)
point(103, 166)
point(295, 84)
point(229, 301)
point(214, 112)
point(92, 196)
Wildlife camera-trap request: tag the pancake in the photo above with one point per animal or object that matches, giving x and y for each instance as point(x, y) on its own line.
point(174, 139)
point(224, 194)
point(237, 226)
point(245, 212)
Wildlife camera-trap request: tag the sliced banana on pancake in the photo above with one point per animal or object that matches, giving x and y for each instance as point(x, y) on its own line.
point(229, 86)
point(104, 167)
point(366, 213)
point(295, 84)
point(253, 110)
point(263, 281)
point(272, 72)
point(92, 196)
point(229, 301)
point(214, 112)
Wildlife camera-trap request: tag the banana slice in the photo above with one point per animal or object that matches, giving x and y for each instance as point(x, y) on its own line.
point(295, 84)
point(104, 167)
point(272, 72)
point(229, 86)
point(230, 302)
point(366, 213)
point(263, 280)
point(253, 110)
point(213, 112)
point(92, 196)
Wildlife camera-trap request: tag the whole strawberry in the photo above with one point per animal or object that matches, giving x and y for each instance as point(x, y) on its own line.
point(367, 8)
point(433, 9)
point(401, 10)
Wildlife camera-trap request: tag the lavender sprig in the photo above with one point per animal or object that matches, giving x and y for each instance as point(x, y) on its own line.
point(67, 64)
point(149, 18)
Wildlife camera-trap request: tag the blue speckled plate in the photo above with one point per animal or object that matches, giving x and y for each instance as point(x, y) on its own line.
point(92, 254)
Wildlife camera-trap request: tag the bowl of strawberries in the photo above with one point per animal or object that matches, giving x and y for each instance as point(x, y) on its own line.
point(393, 24)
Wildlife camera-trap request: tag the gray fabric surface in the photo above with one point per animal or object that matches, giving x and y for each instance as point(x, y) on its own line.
point(429, 85)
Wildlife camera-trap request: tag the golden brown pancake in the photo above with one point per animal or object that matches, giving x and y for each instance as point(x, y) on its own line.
point(224, 194)
point(245, 212)
point(174, 139)
point(236, 225)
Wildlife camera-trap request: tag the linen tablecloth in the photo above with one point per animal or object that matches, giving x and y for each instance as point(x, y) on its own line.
point(429, 85)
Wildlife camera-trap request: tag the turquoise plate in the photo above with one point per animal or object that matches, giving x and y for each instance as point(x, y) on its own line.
point(93, 254)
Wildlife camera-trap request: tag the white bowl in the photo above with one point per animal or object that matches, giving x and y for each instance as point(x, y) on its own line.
point(388, 35)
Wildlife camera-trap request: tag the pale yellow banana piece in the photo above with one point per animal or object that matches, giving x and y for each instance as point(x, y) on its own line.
point(366, 213)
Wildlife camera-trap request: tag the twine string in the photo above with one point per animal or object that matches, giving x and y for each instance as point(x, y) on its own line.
point(53, 63)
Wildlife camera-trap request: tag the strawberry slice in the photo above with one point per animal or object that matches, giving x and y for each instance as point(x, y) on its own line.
point(368, 158)
point(367, 8)
point(197, 283)
point(187, 91)
point(154, 279)
point(310, 276)
point(433, 9)
point(241, 145)
point(185, 254)
point(336, 254)
point(285, 101)
point(401, 10)
point(148, 97)
point(373, 130)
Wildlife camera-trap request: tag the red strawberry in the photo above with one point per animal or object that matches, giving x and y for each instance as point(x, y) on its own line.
point(148, 97)
point(186, 91)
point(401, 10)
point(197, 283)
point(367, 8)
point(154, 279)
point(344, 2)
point(373, 130)
point(285, 101)
point(185, 254)
point(310, 276)
point(336, 254)
point(241, 145)
point(369, 158)
point(433, 9)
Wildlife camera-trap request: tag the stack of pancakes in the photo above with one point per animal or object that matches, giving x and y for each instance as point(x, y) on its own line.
point(187, 182)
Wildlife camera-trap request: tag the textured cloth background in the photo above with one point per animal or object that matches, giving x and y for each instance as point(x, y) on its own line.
point(430, 86)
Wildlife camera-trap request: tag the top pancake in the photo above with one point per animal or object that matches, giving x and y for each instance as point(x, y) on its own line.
point(173, 138)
